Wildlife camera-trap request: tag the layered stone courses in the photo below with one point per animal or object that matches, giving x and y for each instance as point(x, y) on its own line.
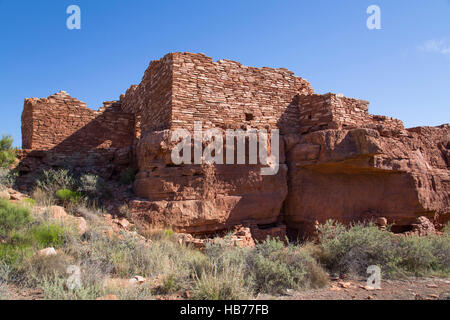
point(336, 160)
point(64, 124)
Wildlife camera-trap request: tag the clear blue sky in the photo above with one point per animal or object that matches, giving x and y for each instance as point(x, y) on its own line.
point(403, 69)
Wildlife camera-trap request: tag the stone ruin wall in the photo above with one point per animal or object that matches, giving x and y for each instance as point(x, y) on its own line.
point(61, 131)
point(182, 88)
point(334, 111)
point(228, 95)
point(64, 124)
point(151, 100)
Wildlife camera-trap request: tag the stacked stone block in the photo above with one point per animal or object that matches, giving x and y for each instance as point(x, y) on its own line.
point(64, 124)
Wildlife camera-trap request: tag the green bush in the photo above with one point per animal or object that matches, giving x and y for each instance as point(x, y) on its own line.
point(128, 256)
point(7, 177)
point(54, 288)
point(440, 247)
point(275, 268)
point(14, 254)
point(127, 176)
point(351, 250)
point(222, 283)
point(7, 153)
point(12, 217)
point(29, 201)
point(446, 229)
point(67, 195)
point(48, 235)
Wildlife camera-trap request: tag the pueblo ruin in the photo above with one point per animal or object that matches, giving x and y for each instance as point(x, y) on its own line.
point(337, 161)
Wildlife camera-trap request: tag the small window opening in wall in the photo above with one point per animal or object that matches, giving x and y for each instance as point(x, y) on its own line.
point(310, 117)
point(249, 117)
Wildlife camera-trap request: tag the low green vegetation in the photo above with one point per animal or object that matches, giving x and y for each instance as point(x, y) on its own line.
point(68, 196)
point(12, 217)
point(275, 267)
point(65, 187)
point(54, 180)
point(7, 152)
point(7, 177)
point(221, 271)
point(29, 202)
point(351, 250)
point(21, 235)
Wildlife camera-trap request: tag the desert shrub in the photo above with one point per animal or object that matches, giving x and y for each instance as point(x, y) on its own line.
point(275, 268)
point(440, 246)
point(416, 254)
point(93, 186)
point(222, 252)
point(14, 254)
point(127, 255)
point(446, 229)
point(29, 202)
point(352, 250)
point(48, 235)
point(148, 232)
point(43, 198)
point(4, 271)
point(55, 288)
point(89, 183)
point(68, 196)
point(142, 292)
point(22, 236)
point(53, 180)
point(7, 153)
point(12, 217)
point(36, 268)
point(127, 176)
point(7, 177)
point(4, 278)
point(225, 282)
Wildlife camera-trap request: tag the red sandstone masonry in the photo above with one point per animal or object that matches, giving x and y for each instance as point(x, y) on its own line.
point(64, 124)
point(151, 100)
point(184, 87)
point(332, 111)
point(226, 94)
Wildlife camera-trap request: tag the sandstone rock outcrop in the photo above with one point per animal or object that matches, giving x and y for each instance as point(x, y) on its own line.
point(337, 161)
point(360, 174)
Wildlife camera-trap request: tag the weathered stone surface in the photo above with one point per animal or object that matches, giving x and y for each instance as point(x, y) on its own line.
point(337, 161)
point(47, 252)
point(358, 174)
point(423, 227)
point(58, 213)
point(60, 131)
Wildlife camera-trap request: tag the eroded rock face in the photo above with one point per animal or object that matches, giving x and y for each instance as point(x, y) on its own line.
point(361, 174)
point(203, 198)
point(347, 175)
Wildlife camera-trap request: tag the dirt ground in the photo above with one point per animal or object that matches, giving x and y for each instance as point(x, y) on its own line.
point(412, 289)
